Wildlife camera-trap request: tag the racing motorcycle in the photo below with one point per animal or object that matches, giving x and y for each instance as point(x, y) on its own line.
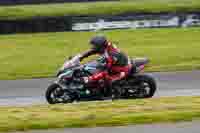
point(66, 89)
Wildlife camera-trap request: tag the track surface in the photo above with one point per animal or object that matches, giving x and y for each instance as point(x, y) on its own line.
point(26, 92)
point(191, 127)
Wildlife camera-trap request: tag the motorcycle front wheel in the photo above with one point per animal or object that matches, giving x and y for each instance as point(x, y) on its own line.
point(146, 86)
point(55, 94)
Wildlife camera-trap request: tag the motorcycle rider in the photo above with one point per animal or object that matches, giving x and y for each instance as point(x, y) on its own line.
point(117, 66)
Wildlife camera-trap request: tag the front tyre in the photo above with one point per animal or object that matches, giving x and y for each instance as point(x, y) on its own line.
point(146, 86)
point(55, 94)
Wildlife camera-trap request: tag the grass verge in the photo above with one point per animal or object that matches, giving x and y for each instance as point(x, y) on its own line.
point(98, 8)
point(106, 113)
point(40, 55)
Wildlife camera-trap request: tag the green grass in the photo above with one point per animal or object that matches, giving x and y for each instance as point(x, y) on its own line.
point(106, 113)
point(40, 55)
point(99, 8)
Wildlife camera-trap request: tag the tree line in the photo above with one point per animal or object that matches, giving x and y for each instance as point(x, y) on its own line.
point(16, 2)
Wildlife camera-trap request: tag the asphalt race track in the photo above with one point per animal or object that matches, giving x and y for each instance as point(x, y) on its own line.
point(186, 127)
point(26, 92)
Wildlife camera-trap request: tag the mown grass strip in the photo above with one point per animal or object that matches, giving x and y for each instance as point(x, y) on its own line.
point(98, 8)
point(106, 113)
point(40, 55)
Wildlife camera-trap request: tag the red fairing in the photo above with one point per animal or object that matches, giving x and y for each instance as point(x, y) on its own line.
point(118, 73)
point(98, 76)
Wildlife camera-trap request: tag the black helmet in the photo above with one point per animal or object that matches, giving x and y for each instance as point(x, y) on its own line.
point(98, 43)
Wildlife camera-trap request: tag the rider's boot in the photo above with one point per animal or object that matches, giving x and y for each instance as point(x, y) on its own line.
point(115, 90)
